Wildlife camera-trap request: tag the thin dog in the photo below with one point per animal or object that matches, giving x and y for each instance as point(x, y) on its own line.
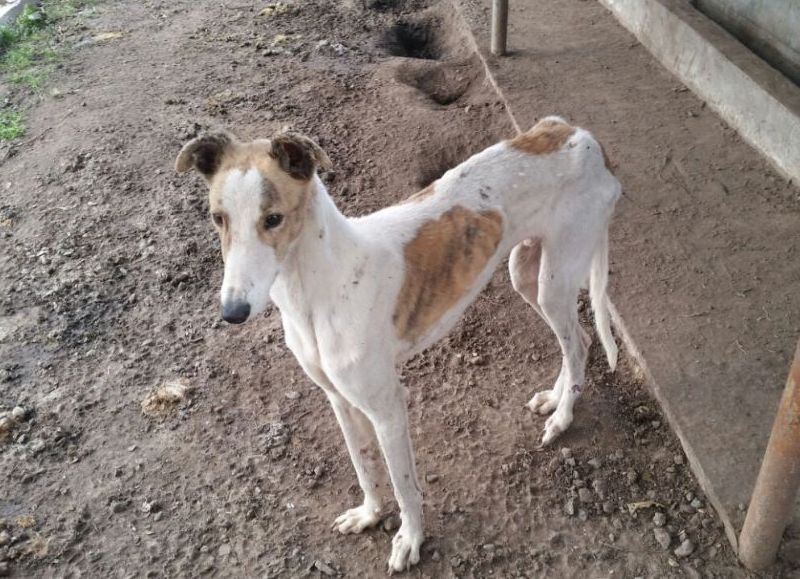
point(358, 296)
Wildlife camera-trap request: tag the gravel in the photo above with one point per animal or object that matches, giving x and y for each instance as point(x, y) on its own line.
point(662, 537)
point(659, 519)
point(324, 568)
point(685, 549)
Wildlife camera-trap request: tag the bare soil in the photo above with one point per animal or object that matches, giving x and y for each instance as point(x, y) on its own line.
point(110, 272)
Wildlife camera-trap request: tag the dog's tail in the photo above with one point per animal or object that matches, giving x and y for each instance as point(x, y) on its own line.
point(598, 280)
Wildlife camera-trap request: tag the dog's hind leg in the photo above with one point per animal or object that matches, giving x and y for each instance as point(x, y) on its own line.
point(524, 265)
point(564, 265)
point(365, 454)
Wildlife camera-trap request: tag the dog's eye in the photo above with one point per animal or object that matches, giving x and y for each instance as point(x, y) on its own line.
point(273, 220)
point(217, 219)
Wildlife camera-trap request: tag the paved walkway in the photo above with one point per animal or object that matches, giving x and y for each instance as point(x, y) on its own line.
point(705, 243)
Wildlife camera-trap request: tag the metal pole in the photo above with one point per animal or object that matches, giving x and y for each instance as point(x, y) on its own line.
point(499, 26)
point(776, 488)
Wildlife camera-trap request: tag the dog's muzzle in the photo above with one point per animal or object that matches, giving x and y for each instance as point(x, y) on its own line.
point(235, 312)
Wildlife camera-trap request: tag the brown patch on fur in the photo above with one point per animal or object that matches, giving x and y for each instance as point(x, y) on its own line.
point(606, 160)
point(545, 137)
point(420, 195)
point(442, 263)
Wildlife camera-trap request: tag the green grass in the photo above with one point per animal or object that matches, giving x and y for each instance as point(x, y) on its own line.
point(11, 125)
point(26, 53)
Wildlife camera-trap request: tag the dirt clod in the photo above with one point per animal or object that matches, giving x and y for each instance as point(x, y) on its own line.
point(164, 398)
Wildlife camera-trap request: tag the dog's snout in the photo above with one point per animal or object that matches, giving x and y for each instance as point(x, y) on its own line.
point(235, 312)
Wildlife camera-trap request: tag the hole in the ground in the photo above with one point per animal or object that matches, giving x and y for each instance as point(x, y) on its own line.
point(413, 39)
point(396, 5)
point(442, 83)
point(437, 163)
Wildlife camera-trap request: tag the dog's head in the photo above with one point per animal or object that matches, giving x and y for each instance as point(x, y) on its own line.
point(259, 194)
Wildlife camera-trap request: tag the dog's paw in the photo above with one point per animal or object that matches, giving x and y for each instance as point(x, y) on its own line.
point(405, 549)
point(356, 520)
point(555, 425)
point(543, 402)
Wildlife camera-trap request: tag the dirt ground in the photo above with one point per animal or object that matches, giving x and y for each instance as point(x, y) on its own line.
point(110, 272)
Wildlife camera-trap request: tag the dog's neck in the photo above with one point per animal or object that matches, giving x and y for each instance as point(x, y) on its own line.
point(316, 259)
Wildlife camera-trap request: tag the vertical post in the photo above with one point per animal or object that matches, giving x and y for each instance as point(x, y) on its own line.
point(776, 488)
point(499, 26)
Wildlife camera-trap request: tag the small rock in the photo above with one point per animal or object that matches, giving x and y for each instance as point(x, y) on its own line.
point(436, 556)
point(119, 506)
point(566, 452)
point(5, 570)
point(608, 507)
point(324, 568)
point(132, 447)
point(678, 459)
point(583, 515)
point(293, 395)
point(686, 548)
point(600, 488)
point(697, 503)
point(570, 462)
point(431, 478)
point(662, 537)
point(569, 507)
point(36, 446)
point(632, 477)
point(687, 509)
point(4, 538)
point(585, 495)
point(488, 547)
point(19, 413)
point(659, 519)
point(391, 523)
point(594, 463)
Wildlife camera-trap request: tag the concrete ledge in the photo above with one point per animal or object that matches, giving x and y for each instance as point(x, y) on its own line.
point(10, 10)
point(759, 102)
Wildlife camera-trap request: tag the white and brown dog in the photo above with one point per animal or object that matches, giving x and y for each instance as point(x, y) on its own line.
point(358, 296)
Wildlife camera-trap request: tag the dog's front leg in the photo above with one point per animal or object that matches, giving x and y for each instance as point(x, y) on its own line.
point(360, 439)
point(390, 420)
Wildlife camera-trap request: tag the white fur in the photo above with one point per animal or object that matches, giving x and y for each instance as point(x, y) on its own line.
point(250, 266)
point(338, 287)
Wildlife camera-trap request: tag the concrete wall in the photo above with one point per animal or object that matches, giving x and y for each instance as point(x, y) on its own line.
point(770, 28)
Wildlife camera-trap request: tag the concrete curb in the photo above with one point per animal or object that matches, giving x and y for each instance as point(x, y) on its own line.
point(750, 101)
point(759, 102)
point(9, 12)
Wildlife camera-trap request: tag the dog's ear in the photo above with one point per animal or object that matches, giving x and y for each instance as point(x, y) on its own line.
point(204, 153)
point(298, 155)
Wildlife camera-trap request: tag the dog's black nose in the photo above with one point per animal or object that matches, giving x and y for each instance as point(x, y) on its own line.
point(235, 312)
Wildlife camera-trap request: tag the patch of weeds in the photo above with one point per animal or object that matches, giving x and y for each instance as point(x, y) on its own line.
point(27, 63)
point(27, 54)
point(8, 36)
point(11, 125)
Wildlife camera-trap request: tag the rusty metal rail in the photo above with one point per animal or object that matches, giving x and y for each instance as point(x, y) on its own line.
point(778, 480)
